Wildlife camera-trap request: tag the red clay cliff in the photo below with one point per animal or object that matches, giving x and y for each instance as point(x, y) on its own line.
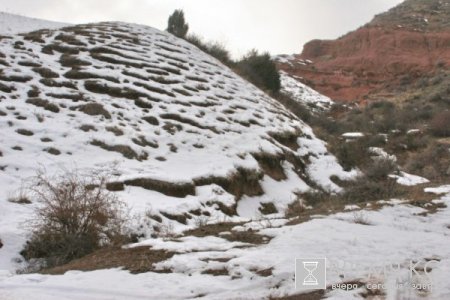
point(410, 41)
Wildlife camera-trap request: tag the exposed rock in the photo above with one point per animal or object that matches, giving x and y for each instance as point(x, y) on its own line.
point(408, 42)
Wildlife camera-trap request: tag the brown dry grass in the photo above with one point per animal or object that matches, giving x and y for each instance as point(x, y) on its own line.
point(248, 236)
point(136, 260)
point(242, 182)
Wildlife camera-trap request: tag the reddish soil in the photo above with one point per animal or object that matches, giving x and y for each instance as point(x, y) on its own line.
point(374, 59)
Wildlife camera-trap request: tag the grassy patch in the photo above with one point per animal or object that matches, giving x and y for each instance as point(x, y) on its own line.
point(180, 190)
point(241, 182)
point(136, 260)
point(114, 129)
point(25, 132)
point(125, 150)
point(268, 208)
point(94, 109)
point(271, 165)
point(45, 104)
point(52, 151)
point(46, 72)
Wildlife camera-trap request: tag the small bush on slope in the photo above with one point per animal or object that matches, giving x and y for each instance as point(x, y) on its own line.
point(214, 49)
point(440, 124)
point(257, 68)
point(260, 70)
point(76, 216)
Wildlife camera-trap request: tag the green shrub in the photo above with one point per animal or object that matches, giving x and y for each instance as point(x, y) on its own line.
point(260, 70)
point(177, 25)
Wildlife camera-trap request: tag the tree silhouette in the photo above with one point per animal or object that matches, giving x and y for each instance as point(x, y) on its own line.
point(176, 24)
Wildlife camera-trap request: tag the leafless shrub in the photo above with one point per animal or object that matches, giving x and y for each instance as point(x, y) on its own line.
point(75, 216)
point(20, 197)
point(440, 124)
point(364, 189)
point(380, 169)
point(165, 230)
point(201, 220)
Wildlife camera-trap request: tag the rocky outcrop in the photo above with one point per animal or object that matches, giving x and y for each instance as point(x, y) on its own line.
point(396, 48)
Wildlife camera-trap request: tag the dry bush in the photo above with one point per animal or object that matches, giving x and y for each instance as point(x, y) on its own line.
point(440, 124)
point(268, 208)
point(76, 215)
point(364, 189)
point(351, 154)
point(431, 163)
point(94, 109)
point(380, 168)
point(20, 197)
point(125, 150)
point(45, 104)
point(315, 197)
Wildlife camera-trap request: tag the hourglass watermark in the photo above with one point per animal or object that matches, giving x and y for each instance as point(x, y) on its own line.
point(310, 274)
point(413, 274)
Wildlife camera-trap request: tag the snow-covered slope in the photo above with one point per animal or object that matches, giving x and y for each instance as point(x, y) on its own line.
point(373, 258)
point(12, 24)
point(303, 93)
point(182, 132)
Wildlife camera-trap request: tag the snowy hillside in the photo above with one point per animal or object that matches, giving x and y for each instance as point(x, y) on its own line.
point(184, 135)
point(12, 24)
point(376, 252)
point(303, 93)
point(207, 165)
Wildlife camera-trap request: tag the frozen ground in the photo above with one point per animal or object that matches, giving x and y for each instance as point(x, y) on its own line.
point(356, 252)
point(303, 93)
point(157, 112)
point(155, 109)
point(12, 24)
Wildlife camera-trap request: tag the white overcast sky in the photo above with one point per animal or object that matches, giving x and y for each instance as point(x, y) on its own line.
point(277, 26)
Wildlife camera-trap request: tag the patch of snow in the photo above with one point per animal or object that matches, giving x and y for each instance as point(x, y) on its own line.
point(303, 93)
point(353, 134)
point(438, 190)
point(413, 131)
point(284, 59)
point(209, 123)
point(409, 179)
point(351, 207)
point(395, 236)
point(189, 244)
point(322, 165)
point(380, 153)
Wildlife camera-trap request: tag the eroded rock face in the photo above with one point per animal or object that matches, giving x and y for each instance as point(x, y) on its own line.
point(408, 42)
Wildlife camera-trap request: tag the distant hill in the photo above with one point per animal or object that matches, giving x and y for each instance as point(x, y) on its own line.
point(396, 48)
point(11, 24)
